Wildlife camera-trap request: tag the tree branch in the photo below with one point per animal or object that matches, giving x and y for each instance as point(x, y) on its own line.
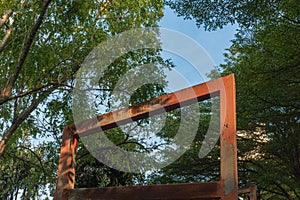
point(5, 38)
point(107, 2)
point(283, 190)
point(37, 157)
point(38, 88)
point(18, 121)
point(34, 90)
point(21, 118)
point(9, 86)
point(292, 21)
point(5, 17)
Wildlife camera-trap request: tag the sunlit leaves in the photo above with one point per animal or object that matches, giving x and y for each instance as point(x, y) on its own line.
point(264, 57)
point(69, 31)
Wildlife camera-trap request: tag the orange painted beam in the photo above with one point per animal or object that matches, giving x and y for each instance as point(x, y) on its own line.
point(154, 106)
point(224, 87)
point(251, 191)
point(163, 191)
point(228, 146)
point(67, 162)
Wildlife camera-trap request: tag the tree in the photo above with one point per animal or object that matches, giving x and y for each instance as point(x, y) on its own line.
point(265, 59)
point(268, 93)
point(43, 44)
point(189, 167)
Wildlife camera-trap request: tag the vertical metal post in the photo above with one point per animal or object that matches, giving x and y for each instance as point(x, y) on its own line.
point(66, 167)
point(228, 150)
point(253, 192)
point(229, 177)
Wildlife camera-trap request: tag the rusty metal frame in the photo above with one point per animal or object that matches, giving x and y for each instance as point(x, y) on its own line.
point(226, 188)
point(251, 192)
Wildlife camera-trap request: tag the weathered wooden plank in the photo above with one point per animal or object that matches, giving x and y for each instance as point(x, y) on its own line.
point(210, 190)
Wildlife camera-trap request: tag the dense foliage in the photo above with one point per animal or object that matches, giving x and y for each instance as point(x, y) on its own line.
point(264, 56)
point(42, 46)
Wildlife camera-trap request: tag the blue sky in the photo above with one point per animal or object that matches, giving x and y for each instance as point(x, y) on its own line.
point(213, 45)
point(214, 42)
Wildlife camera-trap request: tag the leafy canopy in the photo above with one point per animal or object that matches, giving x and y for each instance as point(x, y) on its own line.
point(264, 56)
point(42, 46)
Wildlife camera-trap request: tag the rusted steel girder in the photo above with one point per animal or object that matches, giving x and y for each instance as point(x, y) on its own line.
point(226, 188)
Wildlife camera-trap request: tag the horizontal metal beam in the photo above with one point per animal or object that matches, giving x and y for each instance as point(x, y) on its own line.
point(152, 107)
point(211, 190)
point(225, 189)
